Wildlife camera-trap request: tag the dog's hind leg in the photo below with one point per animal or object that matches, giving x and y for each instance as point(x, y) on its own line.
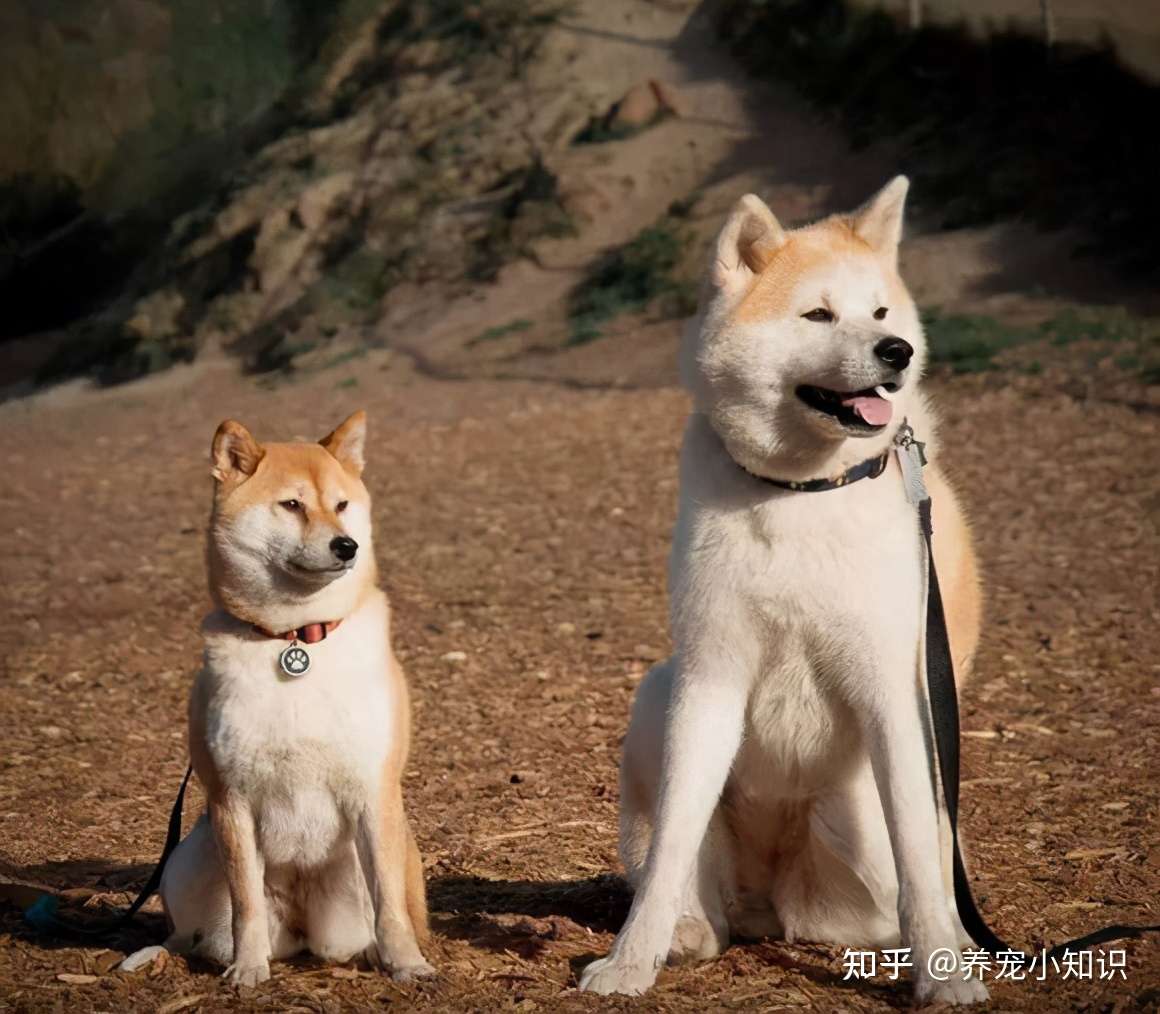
point(840, 886)
point(338, 913)
point(340, 918)
point(197, 903)
point(196, 898)
point(702, 929)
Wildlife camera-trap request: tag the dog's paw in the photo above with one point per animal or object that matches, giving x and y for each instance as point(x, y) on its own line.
point(247, 973)
point(379, 957)
point(410, 973)
point(139, 959)
point(612, 975)
point(955, 990)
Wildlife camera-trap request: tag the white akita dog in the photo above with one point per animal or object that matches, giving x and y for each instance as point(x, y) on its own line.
point(776, 777)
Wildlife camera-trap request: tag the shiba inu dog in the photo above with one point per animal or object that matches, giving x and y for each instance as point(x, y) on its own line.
point(776, 778)
point(298, 726)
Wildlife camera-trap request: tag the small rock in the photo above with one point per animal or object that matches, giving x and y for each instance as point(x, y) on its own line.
point(637, 108)
point(455, 657)
point(644, 103)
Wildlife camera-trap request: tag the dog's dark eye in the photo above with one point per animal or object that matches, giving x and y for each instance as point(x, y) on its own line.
point(290, 505)
point(880, 313)
point(819, 315)
point(341, 506)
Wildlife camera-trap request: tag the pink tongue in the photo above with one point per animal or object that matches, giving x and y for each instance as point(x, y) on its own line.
point(874, 410)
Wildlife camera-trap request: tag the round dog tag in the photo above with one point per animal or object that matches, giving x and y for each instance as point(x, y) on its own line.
point(294, 661)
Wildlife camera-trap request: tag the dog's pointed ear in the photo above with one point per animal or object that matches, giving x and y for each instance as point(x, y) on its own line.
point(746, 244)
point(879, 220)
point(347, 443)
point(235, 453)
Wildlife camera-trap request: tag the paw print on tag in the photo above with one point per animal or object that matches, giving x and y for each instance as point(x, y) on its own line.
point(294, 661)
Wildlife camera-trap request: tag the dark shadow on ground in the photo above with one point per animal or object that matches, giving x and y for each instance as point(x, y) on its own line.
point(598, 903)
point(90, 895)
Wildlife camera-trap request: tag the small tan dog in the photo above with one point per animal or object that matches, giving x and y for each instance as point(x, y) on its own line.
point(299, 725)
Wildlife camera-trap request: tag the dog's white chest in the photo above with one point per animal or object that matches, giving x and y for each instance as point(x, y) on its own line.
point(308, 751)
point(818, 595)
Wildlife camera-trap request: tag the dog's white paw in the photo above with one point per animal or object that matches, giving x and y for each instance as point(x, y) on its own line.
point(612, 975)
point(409, 973)
point(247, 973)
point(955, 990)
point(139, 959)
point(378, 957)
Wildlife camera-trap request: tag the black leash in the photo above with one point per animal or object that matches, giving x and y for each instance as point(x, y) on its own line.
point(944, 707)
point(942, 692)
point(48, 919)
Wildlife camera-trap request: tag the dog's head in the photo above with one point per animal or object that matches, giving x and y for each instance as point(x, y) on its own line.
point(808, 343)
point(291, 523)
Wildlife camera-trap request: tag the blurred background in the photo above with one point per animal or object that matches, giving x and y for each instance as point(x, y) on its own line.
point(495, 185)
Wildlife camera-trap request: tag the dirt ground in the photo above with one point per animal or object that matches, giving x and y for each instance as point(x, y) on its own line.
point(526, 526)
point(522, 529)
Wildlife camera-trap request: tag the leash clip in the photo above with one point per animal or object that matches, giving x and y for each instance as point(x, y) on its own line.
point(911, 459)
point(905, 440)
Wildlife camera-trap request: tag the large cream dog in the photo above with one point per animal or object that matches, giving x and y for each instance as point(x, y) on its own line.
point(304, 844)
point(776, 778)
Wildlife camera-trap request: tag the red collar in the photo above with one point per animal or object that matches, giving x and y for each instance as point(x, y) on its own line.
point(311, 633)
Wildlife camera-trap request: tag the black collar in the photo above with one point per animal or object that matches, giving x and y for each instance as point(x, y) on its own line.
point(871, 468)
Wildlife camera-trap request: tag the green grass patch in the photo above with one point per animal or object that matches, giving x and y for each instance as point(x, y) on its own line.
point(645, 270)
point(970, 344)
point(358, 282)
point(499, 331)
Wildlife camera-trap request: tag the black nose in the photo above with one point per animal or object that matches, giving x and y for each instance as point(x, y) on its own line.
point(343, 548)
point(894, 352)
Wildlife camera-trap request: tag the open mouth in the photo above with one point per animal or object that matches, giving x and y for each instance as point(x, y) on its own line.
point(866, 411)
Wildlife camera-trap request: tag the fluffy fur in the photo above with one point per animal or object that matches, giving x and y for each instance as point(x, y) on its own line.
point(776, 778)
point(304, 844)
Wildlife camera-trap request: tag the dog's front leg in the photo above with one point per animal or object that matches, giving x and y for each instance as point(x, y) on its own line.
point(903, 773)
point(382, 849)
point(233, 829)
point(702, 733)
